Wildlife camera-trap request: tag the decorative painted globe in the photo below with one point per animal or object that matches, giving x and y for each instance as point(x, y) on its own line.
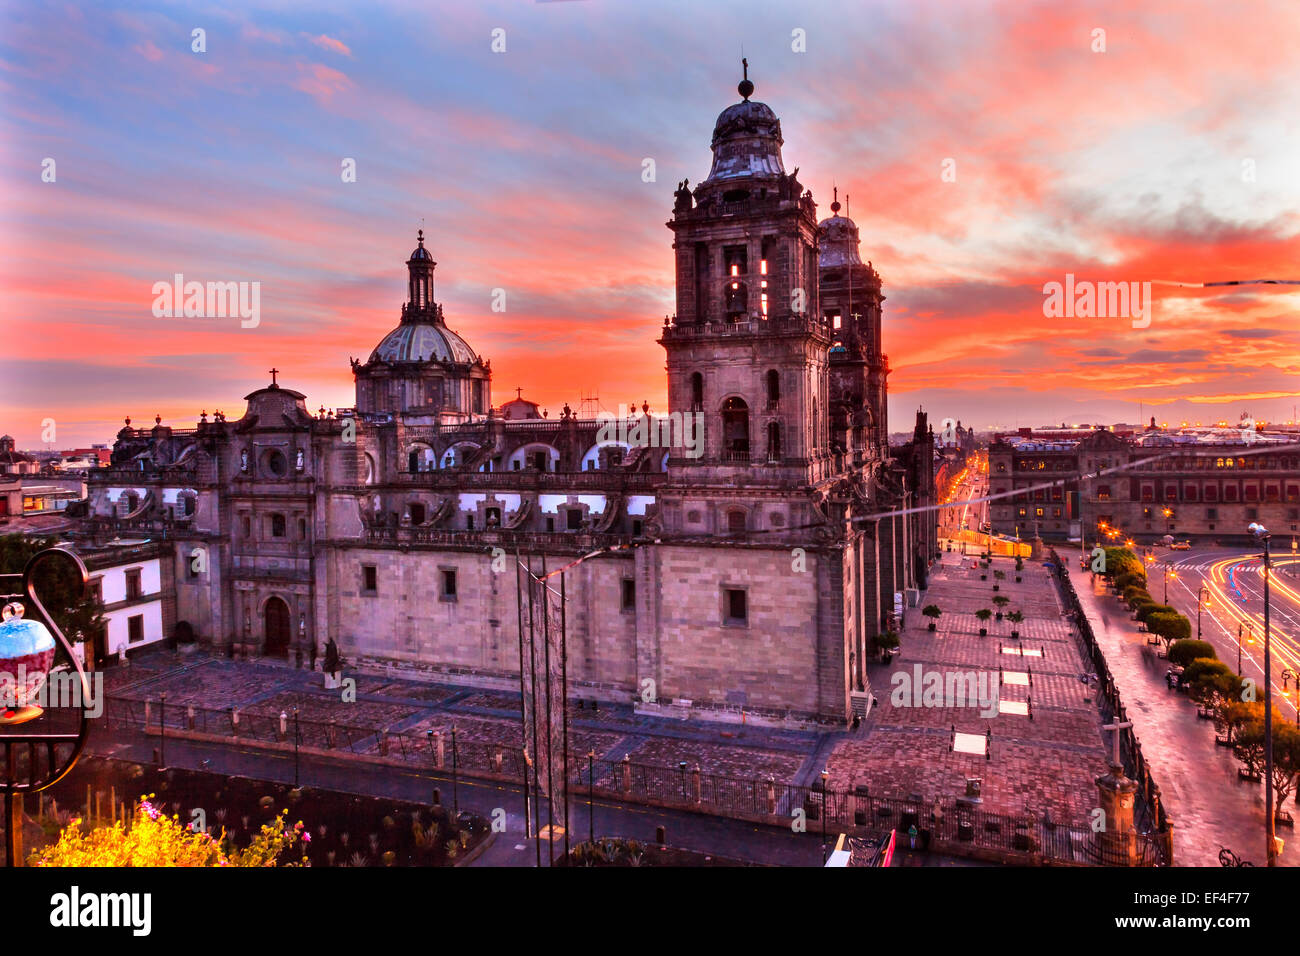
point(26, 653)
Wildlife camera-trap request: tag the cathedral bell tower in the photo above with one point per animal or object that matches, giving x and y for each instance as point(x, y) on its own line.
point(748, 348)
point(851, 303)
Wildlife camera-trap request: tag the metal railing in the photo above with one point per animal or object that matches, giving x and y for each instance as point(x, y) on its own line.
point(945, 824)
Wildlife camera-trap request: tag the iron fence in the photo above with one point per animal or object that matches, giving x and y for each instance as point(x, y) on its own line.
point(949, 822)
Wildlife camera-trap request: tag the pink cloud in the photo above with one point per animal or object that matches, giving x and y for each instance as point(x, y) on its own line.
point(329, 43)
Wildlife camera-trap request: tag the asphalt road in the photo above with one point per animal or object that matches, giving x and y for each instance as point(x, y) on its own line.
point(1232, 609)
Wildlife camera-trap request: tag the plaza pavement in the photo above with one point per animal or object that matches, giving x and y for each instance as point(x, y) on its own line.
point(1043, 766)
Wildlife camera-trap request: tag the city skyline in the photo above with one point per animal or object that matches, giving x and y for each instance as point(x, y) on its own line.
point(526, 169)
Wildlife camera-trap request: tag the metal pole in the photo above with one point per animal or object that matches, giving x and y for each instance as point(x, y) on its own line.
point(564, 705)
point(523, 725)
point(550, 740)
point(1268, 716)
point(1238, 649)
point(532, 673)
point(455, 783)
point(297, 735)
point(591, 797)
point(162, 730)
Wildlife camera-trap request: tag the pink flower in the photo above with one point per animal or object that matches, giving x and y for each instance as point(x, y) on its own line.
point(306, 838)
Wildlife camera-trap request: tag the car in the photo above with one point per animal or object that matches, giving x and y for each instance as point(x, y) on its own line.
point(1181, 546)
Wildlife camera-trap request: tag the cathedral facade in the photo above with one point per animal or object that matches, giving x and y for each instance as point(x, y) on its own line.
point(746, 573)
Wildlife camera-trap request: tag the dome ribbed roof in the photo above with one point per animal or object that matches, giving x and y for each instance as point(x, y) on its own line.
point(839, 242)
point(423, 342)
point(746, 142)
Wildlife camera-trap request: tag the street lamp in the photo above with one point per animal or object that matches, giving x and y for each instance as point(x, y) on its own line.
point(1202, 600)
point(1289, 675)
point(1169, 573)
point(1262, 535)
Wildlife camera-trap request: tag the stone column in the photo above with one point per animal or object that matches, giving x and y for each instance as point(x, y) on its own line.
point(1118, 841)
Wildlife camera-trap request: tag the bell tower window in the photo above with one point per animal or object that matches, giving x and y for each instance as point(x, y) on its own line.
point(735, 430)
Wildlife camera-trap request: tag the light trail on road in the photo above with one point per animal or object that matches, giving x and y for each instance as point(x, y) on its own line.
point(1282, 642)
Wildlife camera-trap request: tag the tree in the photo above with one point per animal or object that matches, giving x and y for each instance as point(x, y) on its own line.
point(77, 616)
point(884, 643)
point(1286, 761)
point(1133, 592)
point(1169, 626)
point(1183, 652)
point(1001, 601)
point(1144, 613)
point(933, 612)
point(155, 839)
point(983, 614)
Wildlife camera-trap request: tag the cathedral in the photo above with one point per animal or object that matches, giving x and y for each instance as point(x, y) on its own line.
point(750, 574)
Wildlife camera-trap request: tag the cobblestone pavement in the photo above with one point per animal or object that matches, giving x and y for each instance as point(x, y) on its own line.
point(1042, 761)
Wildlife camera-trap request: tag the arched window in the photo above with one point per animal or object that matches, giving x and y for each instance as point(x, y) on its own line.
point(697, 392)
point(735, 430)
point(735, 522)
point(773, 388)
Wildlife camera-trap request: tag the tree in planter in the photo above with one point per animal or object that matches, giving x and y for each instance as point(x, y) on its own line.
point(984, 614)
point(1145, 612)
point(885, 643)
point(1286, 764)
point(999, 576)
point(1002, 602)
point(1232, 713)
point(1135, 595)
point(933, 612)
point(1169, 627)
point(1015, 617)
point(1248, 748)
point(1212, 684)
point(1184, 652)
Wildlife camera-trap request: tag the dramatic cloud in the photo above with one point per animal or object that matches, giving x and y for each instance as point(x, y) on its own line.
point(1168, 158)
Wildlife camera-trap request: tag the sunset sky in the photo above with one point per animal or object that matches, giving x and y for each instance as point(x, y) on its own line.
point(525, 167)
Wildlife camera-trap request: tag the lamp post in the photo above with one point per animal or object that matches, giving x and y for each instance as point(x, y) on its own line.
point(1262, 535)
point(1202, 600)
point(162, 729)
point(1169, 573)
point(1289, 675)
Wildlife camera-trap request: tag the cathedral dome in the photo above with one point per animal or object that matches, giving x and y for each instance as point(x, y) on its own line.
point(423, 342)
point(746, 142)
point(839, 239)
